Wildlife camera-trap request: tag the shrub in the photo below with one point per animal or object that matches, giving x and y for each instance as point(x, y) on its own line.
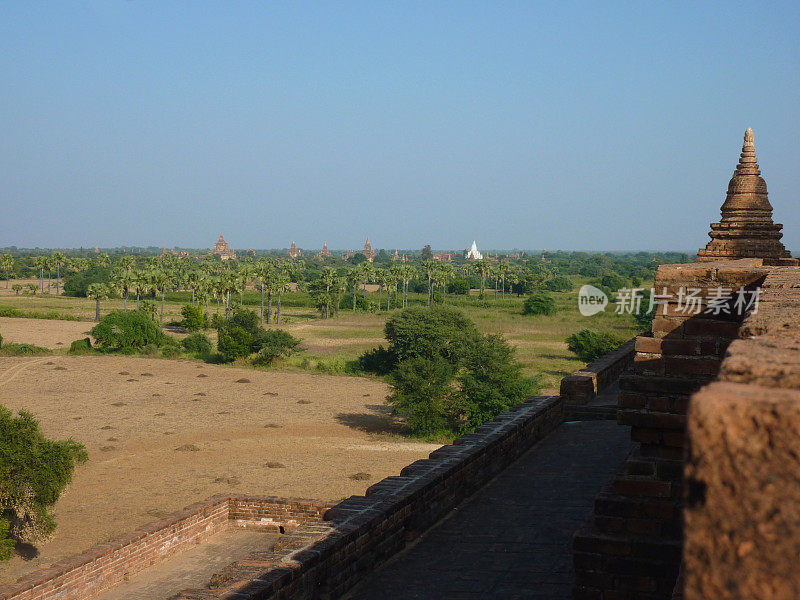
point(644, 316)
point(272, 344)
point(458, 287)
point(77, 285)
point(590, 345)
point(438, 331)
point(237, 336)
point(33, 473)
point(194, 318)
point(170, 351)
point(540, 303)
point(82, 346)
point(13, 349)
point(559, 283)
point(491, 382)
point(132, 329)
point(378, 360)
point(421, 389)
point(199, 343)
point(613, 282)
point(362, 304)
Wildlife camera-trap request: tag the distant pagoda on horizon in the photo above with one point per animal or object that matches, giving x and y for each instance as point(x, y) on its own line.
point(368, 252)
point(746, 229)
point(222, 249)
point(293, 252)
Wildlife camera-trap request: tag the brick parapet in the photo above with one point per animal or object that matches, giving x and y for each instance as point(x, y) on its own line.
point(742, 525)
point(325, 559)
point(106, 565)
point(643, 504)
point(584, 384)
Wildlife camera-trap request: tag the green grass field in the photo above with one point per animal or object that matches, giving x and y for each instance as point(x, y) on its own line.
point(330, 344)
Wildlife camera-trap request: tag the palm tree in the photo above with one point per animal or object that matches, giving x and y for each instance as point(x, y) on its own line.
point(244, 274)
point(138, 283)
point(123, 281)
point(58, 259)
point(382, 279)
point(40, 262)
point(405, 274)
point(330, 278)
point(98, 291)
point(158, 280)
point(194, 280)
point(7, 266)
point(390, 280)
point(482, 267)
point(102, 260)
point(265, 272)
point(429, 267)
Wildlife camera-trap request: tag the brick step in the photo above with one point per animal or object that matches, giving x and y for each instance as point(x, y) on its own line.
point(642, 487)
point(588, 540)
point(663, 469)
point(614, 505)
point(593, 413)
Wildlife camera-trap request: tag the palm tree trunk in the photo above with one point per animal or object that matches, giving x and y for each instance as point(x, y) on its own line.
point(161, 321)
point(137, 299)
point(269, 306)
point(355, 293)
point(278, 310)
point(42, 280)
point(262, 303)
point(97, 309)
point(192, 297)
point(429, 290)
point(380, 289)
point(125, 300)
point(58, 277)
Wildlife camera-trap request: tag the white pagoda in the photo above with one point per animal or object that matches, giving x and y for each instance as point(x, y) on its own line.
point(473, 253)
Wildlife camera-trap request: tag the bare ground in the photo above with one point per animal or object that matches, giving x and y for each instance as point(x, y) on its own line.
point(43, 332)
point(162, 434)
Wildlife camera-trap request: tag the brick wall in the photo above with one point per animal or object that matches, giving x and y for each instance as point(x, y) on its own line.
point(106, 565)
point(584, 384)
point(742, 515)
point(324, 560)
point(631, 548)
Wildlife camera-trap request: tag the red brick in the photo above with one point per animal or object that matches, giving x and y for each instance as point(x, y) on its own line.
point(663, 326)
point(675, 365)
point(711, 328)
point(642, 487)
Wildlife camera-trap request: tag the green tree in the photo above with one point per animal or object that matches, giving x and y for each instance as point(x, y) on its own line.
point(59, 259)
point(590, 345)
point(17, 287)
point(33, 473)
point(540, 303)
point(421, 392)
point(7, 266)
point(98, 292)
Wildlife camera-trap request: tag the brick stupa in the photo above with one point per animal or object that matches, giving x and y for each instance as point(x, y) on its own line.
point(746, 229)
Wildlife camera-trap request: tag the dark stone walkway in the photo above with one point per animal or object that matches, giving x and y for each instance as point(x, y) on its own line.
point(513, 539)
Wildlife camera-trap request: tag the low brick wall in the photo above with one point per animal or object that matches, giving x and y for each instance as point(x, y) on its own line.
point(584, 384)
point(107, 565)
point(325, 559)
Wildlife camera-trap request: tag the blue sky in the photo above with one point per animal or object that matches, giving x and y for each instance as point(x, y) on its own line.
point(597, 126)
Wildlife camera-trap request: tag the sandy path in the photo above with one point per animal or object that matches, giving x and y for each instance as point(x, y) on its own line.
point(162, 434)
point(43, 332)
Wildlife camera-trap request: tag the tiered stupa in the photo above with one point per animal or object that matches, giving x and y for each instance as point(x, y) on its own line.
point(746, 229)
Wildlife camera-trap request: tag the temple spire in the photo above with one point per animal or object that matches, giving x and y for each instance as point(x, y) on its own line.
point(746, 229)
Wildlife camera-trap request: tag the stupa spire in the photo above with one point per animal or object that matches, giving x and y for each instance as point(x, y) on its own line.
point(746, 229)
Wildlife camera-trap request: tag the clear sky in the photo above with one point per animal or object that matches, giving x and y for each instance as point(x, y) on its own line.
point(597, 126)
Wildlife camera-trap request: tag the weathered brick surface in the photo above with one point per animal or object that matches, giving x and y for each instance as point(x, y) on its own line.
point(106, 565)
point(743, 472)
point(324, 560)
point(584, 384)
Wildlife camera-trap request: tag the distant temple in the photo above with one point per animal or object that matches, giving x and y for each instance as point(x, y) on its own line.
point(324, 253)
point(746, 229)
point(222, 250)
point(293, 252)
point(473, 253)
point(443, 257)
point(397, 257)
point(368, 251)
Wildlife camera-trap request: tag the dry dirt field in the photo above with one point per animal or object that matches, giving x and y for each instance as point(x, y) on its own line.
point(43, 332)
point(162, 434)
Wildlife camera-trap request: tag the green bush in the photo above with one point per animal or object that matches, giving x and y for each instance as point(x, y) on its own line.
point(439, 331)
point(458, 287)
point(362, 304)
point(273, 344)
point(559, 283)
point(78, 284)
point(128, 330)
point(540, 303)
point(421, 392)
point(644, 316)
point(590, 345)
point(491, 382)
point(82, 346)
point(378, 360)
point(12, 349)
point(170, 351)
point(33, 473)
point(199, 343)
point(237, 336)
point(194, 318)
